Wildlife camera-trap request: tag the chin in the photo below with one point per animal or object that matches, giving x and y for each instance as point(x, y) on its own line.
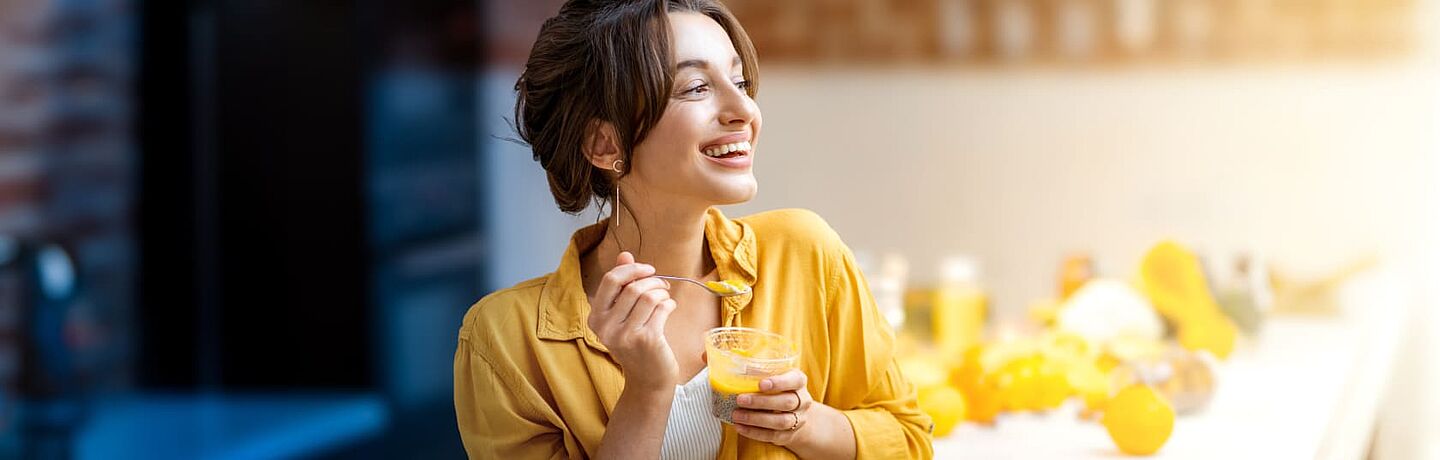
point(738, 195)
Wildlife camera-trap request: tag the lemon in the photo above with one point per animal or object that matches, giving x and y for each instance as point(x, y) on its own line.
point(945, 405)
point(968, 373)
point(1139, 420)
point(1053, 386)
point(1019, 383)
point(1214, 333)
point(983, 405)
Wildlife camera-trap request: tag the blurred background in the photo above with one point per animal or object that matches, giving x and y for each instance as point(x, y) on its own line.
point(250, 229)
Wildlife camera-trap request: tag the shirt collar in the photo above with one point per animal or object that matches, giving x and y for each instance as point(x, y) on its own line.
point(564, 306)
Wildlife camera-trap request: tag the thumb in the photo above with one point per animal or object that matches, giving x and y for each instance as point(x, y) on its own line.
point(624, 258)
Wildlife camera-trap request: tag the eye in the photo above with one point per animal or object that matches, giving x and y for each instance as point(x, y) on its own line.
point(744, 85)
point(698, 89)
point(694, 87)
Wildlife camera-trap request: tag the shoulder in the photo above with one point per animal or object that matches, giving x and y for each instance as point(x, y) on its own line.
point(495, 316)
point(798, 240)
point(793, 227)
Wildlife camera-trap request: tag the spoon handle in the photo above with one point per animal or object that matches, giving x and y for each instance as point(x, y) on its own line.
point(677, 278)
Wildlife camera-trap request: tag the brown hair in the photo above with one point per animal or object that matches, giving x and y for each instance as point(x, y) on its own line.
point(609, 61)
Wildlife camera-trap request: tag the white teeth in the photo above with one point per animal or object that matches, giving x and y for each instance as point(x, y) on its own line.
point(742, 146)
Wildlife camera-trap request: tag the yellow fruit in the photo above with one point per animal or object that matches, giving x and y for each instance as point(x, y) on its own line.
point(1054, 387)
point(1171, 276)
point(1019, 383)
point(1213, 333)
point(1139, 420)
point(968, 375)
point(945, 405)
point(969, 371)
point(982, 401)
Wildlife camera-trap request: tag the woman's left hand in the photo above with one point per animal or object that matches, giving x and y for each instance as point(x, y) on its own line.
point(778, 413)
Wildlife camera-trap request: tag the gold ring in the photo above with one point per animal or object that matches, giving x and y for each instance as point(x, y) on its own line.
point(797, 403)
point(796, 425)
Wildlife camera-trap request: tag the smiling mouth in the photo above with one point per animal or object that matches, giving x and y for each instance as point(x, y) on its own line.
point(730, 150)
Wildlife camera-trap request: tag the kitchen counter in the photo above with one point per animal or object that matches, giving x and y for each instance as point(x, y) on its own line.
point(1306, 387)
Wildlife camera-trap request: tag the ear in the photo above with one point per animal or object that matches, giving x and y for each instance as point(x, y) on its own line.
point(601, 145)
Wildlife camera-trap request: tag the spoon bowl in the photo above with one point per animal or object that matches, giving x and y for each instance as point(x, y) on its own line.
point(722, 288)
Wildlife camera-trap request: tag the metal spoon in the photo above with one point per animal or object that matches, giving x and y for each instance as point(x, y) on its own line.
point(723, 288)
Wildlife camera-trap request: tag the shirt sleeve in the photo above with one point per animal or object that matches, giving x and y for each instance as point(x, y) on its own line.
point(887, 420)
point(494, 419)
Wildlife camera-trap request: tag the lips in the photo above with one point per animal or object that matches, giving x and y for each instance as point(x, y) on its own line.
point(727, 150)
point(726, 139)
point(730, 151)
point(738, 160)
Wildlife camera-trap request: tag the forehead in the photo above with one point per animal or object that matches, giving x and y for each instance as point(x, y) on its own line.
point(697, 37)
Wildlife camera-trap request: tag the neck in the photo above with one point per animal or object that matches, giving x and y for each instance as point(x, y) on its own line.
point(671, 239)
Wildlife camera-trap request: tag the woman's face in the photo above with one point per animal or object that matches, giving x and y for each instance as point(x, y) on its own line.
point(700, 152)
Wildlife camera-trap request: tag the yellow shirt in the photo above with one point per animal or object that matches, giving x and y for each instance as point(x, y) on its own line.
point(533, 381)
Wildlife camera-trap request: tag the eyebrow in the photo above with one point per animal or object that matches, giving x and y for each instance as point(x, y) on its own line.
point(700, 63)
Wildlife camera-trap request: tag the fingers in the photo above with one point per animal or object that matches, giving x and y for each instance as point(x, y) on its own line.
point(784, 402)
point(661, 315)
point(776, 415)
point(616, 279)
point(762, 434)
point(776, 421)
point(645, 304)
point(624, 258)
point(790, 381)
point(638, 298)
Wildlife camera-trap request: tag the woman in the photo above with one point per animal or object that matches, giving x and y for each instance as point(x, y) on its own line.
point(647, 106)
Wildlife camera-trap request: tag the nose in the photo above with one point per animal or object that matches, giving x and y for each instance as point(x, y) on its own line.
point(736, 107)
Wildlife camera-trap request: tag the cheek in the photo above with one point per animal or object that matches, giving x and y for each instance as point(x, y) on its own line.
point(664, 147)
point(757, 121)
point(661, 153)
point(678, 133)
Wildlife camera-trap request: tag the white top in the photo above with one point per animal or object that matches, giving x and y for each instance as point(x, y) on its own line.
point(692, 432)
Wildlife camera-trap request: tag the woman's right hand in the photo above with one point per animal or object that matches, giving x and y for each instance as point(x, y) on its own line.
point(628, 314)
